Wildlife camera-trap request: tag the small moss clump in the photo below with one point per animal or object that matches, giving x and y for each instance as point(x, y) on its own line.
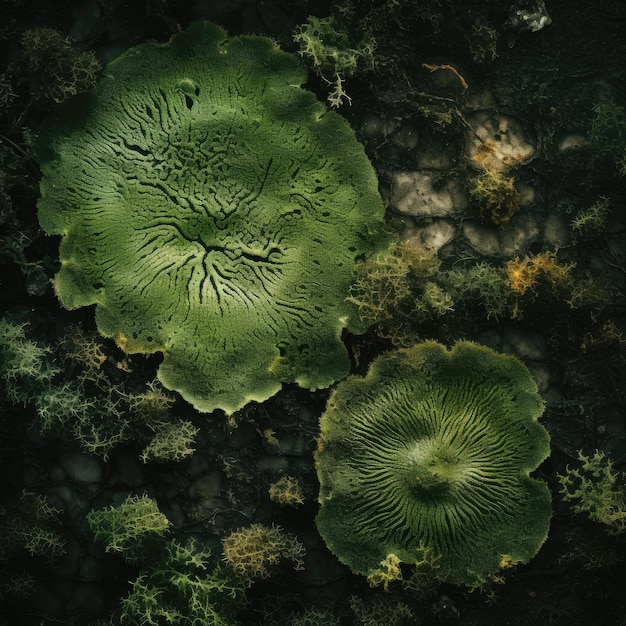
point(527, 275)
point(287, 491)
point(422, 574)
point(608, 132)
point(25, 365)
point(130, 527)
point(387, 572)
point(381, 611)
point(497, 198)
point(332, 54)
point(31, 525)
point(592, 220)
point(172, 441)
point(313, 617)
point(397, 289)
point(57, 70)
point(596, 490)
point(483, 41)
point(183, 588)
point(251, 552)
point(78, 401)
point(481, 283)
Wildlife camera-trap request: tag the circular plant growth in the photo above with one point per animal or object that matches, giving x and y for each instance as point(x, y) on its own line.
point(433, 450)
point(212, 210)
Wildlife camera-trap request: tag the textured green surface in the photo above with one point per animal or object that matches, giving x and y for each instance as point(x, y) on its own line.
point(435, 448)
point(212, 210)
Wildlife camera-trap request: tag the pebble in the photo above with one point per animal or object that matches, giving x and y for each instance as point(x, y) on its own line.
point(432, 237)
point(508, 240)
point(421, 194)
point(81, 467)
point(206, 485)
point(497, 142)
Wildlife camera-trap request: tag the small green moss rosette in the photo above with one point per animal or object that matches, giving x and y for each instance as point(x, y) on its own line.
point(433, 449)
point(212, 210)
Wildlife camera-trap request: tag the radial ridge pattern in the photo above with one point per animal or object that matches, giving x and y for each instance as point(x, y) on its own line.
point(434, 448)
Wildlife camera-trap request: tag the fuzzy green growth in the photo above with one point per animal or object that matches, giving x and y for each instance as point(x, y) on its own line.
point(172, 441)
point(422, 575)
point(398, 290)
point(15, 245)
point(251, 552)
point(332, 54)
point(596, 490)
point(185, 588)
point(496, 196)
point(79, 403)
point(287, 491)
point(16, 585)
point(608, 132)
point(591, 220)
point(31, 525)
point(313, 617)
point(483, 41)
point(481, 283)
point(381, 611)
point(240, 203)
point(431, 453)
point(388, 571)
point(130, 527)
point(56, 69)
point(25, 365)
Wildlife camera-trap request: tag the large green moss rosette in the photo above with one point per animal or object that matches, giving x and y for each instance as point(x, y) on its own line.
point(212, 210)
point(433, 449)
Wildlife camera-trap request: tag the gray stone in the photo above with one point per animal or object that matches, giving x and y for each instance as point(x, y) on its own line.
point(556, 231)
point(87, 22)
point(72, 500)
point(373, 126)
point(492, 338)
point(56, 474)
point(434, 155)
point(88, 569)
point(508, 240)
point(414, 193)
point(273, 464)
point(82, 467)
point(526, 344)
point(553, 396)
point(406, 137)
point(483, 239)
point(571, 141)
point(306, 413)
point(293, 444)
point(518, 234)
point(541, 374)
point(196, 465)
point(175, 515)
point(206, 485)
point(432, 237)
point(128, 469)
point(87, 597)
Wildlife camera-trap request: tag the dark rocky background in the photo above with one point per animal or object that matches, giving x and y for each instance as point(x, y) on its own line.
point(448, 85)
